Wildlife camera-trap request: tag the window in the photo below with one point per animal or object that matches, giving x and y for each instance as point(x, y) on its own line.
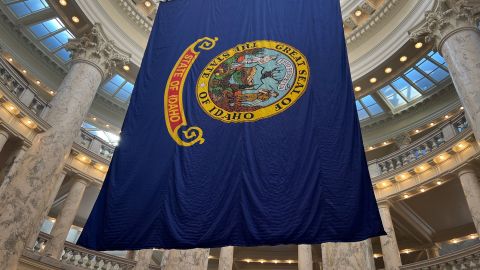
point(53, 35)
point(109, 137)
point(119, 88)
point(367, 107)
point(407, 91)
point(438, 58)
point(392, 96)
point(22, 8)
point(432, 69)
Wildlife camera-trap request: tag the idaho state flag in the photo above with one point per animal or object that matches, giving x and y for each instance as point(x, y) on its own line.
point(241, 131)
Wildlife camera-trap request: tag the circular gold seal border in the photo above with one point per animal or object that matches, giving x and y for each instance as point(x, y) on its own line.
point(300, 84)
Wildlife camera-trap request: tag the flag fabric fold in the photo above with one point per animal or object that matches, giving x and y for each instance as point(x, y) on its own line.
point(241, 131)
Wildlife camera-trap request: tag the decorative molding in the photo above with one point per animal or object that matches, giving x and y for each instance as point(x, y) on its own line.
point(96, 49)
point(445, 19)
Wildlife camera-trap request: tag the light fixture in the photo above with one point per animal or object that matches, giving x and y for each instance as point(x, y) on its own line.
point(403, 58)
point(406, 196)
point(460, 146)
point(385, 143)
point(37, 82)
point(126, 67)
point(373, 80)
point(289, 261)
point(439, 183)
point(147, 4)
point(107, 125)
point(24, 71)
point(11, 108)
point(261, 261)
point(371, 148)
point(441, 158)
point(419, 45)
point(210, 256)
point(417, 131)
point(432, 124)
point(461, 108)
point(422, 190)
point(388, 70)
point(94, 118)
point(421, 168)
point(75, 19)
point(10, 59)
point(51, 92)
point(358, 88)
point(29, 123)
point(358, 13)
point(447, 116)
point(455, 241)
point(275, 261)
point(473, 236)
point(62, 2)
point(248, 260)
point(403, 176)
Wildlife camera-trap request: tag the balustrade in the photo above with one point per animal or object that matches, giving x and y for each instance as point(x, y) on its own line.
point(84, 258)
point(21, 90)
point(468, 258)
point(419, 149)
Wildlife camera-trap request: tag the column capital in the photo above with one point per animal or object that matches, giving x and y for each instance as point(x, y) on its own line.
point(447, 18)
point(384, 204)
point(81, 180)
point(466, 169)
point(96, 49)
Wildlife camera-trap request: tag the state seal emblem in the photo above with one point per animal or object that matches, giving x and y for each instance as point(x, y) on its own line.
point(252, 81)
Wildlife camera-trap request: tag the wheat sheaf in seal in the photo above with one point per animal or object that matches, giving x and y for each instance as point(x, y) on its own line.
point(253, 81)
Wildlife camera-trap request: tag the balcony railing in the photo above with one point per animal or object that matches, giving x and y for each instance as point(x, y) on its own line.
point(418, 150)
point(85, 258)
point(95, 145)
point(468, 258)
point(21, 90)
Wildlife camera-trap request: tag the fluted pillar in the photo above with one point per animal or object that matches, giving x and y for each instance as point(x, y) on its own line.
point(3, 138)
point(144, 259)
point(305, 261)
point(452, 25)
point(36, 230)
point(225, 261)
point(28, 189)
point(348, 256)
point(391, 254)
point(64, 221)
point(433, 252)
point(192, 259)
point(471, 189)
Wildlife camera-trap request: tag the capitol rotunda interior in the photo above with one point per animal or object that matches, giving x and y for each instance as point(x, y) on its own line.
point(415, 66)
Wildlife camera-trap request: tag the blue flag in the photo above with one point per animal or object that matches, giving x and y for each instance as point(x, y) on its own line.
point(241, 131)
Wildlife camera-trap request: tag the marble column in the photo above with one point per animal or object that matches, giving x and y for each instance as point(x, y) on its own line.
point(3, 138)
point(305, 261)
point(391, 254)
point(348, 256)
point(192, 259)
point(16, 161)
point(28, 189)
point(471, 189)
point(64, 221)
point(130, 254)
point(433, 252)
point(225, 261)
point(144, 259)
point(33, 237)
point(452, 26)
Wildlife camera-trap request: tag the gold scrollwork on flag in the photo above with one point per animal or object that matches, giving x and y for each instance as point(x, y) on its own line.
point(175, 118)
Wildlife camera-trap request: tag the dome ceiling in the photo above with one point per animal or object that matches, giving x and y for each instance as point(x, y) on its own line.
point(374, 29)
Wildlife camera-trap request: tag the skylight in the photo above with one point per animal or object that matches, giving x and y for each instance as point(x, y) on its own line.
point(416, 81)
point(22, 8)
point(367, 107)
point(119, 88)
point(109, 137)
point(53, 35)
